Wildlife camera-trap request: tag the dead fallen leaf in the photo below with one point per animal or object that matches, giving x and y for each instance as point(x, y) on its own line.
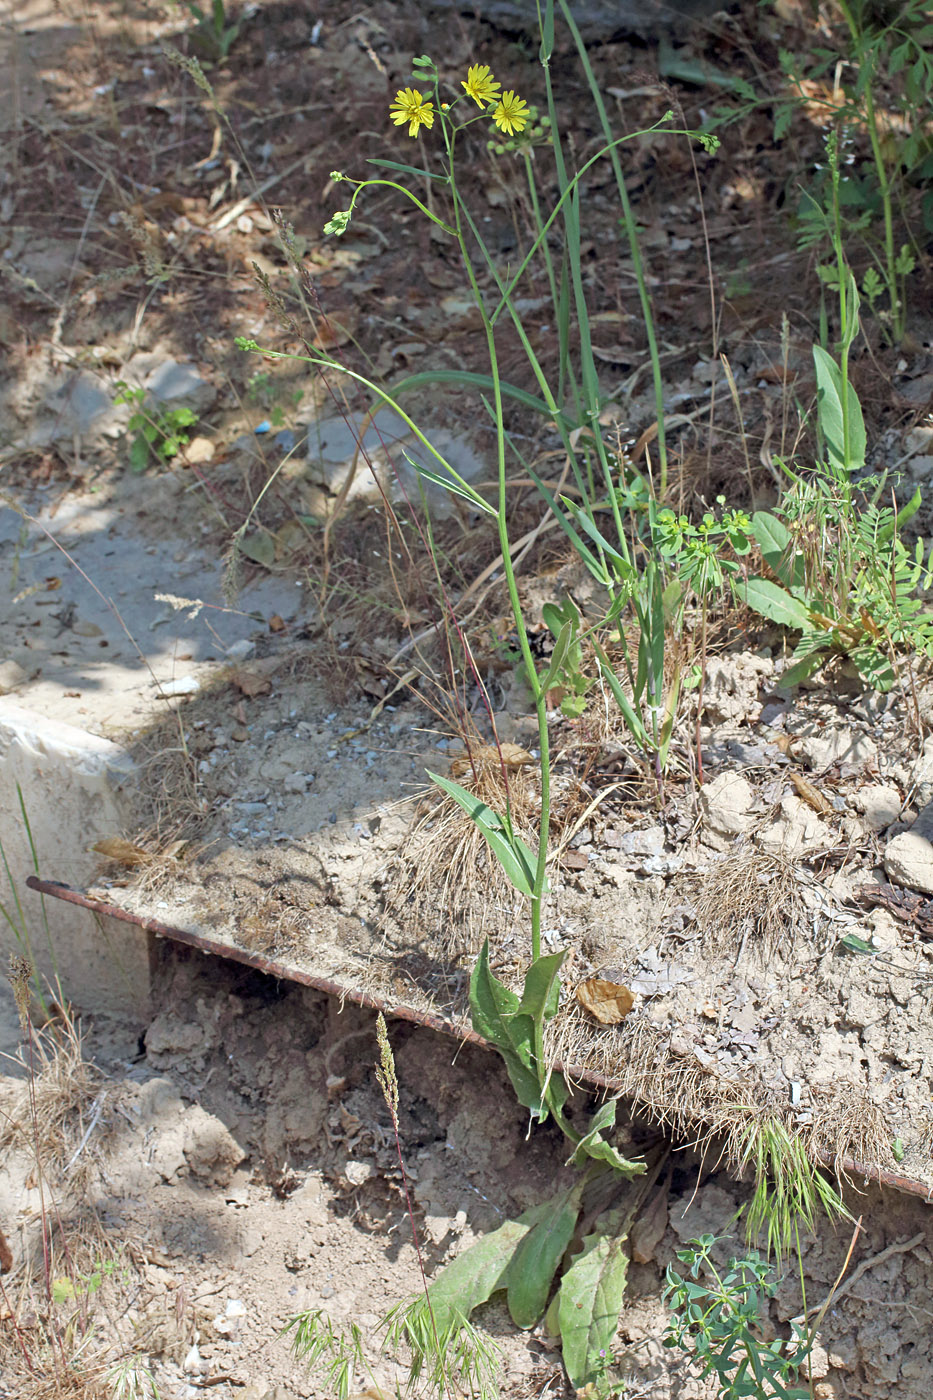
point(251, 683)
point(6, 1255)
point(811, 795)
point(574, 860)
point(648, 1230)
point(488, 756)
point(123, 852)
point(276, 623)
point(607, 1002)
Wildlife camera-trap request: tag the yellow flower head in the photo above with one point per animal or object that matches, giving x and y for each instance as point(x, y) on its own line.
point(409, 106)
point(481, 85)
point(511, 115)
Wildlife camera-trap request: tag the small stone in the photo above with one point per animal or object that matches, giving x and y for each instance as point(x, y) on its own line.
point(726, 802)
point(11, 676)
point(797, 832)
point(199, 449)
point(879, 803)
point(192, 1362)
point(296, 782)
point(908, 860)
point(183, 685)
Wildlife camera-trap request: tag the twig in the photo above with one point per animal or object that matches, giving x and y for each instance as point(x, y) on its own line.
point(98, 1110)
point(837, 1291)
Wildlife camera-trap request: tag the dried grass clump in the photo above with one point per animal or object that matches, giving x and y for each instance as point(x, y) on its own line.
point(847, 1124)
point(750, 900)
point(445, 876)
point(55, 1112)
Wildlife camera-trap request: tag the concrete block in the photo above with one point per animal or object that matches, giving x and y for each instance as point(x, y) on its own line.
point(71, 786)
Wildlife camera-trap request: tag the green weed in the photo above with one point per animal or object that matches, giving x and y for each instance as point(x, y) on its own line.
point(157, 434)
point(717, 1318)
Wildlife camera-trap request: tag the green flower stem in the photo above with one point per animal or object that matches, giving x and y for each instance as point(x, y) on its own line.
point(393, 185)
point(881, 170)
point(502, 525)
point(631, 231)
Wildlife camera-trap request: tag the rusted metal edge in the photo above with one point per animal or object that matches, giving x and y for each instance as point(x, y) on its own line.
point(847, 1166)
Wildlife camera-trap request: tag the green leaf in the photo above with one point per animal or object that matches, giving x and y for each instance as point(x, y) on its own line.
point(474, 1276)
point(589, 1304)
point(536, 1260)
point(139, 454)
point(777, 548)
point(455, 485)
point(558, 657)
point(594, 1145)
point(259, 546)
point(807, 666)
point(618, 554)
point(774, 602)
point(494, 1013)
point(542, 987)
point(518, 861)
point(406, 169)
point(831, 414)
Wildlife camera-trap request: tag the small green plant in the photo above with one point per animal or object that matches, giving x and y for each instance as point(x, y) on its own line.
point(717, 1319)
point(890, 58)
point(839, 571)
point(275, 399)
point(156, 433)
point(131, 1379)
point(214, 33)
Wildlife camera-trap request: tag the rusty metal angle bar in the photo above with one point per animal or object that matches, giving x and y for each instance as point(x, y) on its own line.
point(57, 890)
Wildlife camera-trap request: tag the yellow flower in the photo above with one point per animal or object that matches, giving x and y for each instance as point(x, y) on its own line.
point(481, 85)
point(409, 106)
point(511, 115)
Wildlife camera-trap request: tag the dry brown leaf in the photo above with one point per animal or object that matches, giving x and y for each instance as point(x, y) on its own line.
point(251, 683)
point(574, 860)
point(276, 623)
point(6, 1255)
point(488, 756)
point(811, 795)
point(123, 852)
point(607, 1002)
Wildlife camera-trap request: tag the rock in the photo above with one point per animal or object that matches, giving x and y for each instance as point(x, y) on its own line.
point(211, 1152)
point(839, 746)
point(77, 404)
point(908, 860)
point(730, 693)
point(797, 832)
point(726, 804)
point(879, 803)
point(199, 449)
point(174, 383)
point(921, 775)
point(240, 650)
point(392, 449)
point(183, 685)
point(12, 676)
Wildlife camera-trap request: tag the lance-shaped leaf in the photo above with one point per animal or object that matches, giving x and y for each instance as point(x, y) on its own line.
point(494, 1012)
point(588, 1306)
point(536, 1260)
point(594, 1145)
point(518, 861)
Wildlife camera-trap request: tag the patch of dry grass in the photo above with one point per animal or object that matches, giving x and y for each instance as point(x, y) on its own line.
point(750, 901)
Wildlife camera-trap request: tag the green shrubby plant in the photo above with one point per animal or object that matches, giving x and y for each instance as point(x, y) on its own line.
point(156, 433)
point(717, 1317)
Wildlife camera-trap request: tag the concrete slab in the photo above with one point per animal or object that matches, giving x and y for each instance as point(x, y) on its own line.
point(61, 789)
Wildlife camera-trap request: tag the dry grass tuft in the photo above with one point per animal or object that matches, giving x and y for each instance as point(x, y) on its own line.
point(54, 1114)
point(445, 864)
point(750, 900)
